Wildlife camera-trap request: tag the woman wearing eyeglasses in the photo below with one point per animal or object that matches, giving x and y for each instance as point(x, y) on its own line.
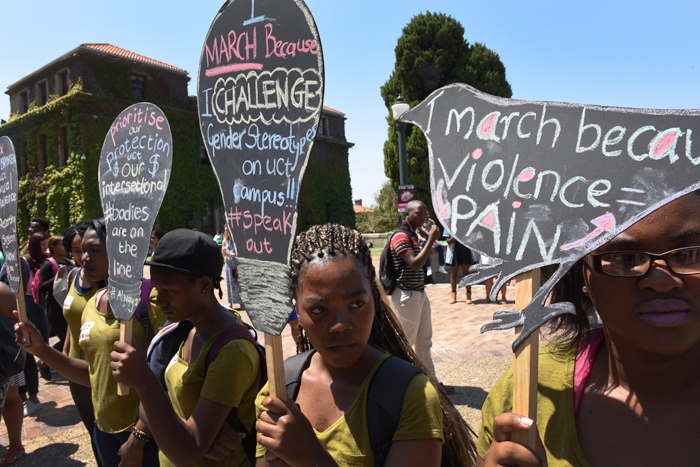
point(629, 392)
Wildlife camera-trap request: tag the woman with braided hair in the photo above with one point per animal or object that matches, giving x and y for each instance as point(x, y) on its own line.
point(349, 322)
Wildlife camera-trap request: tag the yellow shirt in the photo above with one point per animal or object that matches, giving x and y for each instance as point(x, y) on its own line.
point(73, 307)
point(232, 379)
point(347, 440)
point(98, 333)
point(555, 408)
point(155, 314)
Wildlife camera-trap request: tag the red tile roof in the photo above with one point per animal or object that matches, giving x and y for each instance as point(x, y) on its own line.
point(114, 50)
point(333, 110)
point(358, 208)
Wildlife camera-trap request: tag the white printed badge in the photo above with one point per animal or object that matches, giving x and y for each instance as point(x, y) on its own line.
point(85, 331)
point(67, 302)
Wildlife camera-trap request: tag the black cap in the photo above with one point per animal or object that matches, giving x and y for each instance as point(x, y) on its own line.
point(188, 251)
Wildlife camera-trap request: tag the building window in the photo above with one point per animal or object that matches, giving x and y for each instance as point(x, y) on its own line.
point(63, 151)
point(62, 83)
point(323, 127)
point(43, 93)
point(24, 102)
point(137, 85)
point(41, 156)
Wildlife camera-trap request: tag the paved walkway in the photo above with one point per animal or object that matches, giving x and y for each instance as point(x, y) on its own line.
point(456, 338)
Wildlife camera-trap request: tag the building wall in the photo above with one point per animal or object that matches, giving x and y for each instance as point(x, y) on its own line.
point(62, 185)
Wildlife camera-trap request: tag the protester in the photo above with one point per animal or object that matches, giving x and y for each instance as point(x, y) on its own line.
point(488, 283)
point(54, 311)
point(115, 415)
point(72, 242)
point(218, 238)
point(35, 256)
point(626, 393)
point(186, 269)
point(156, 235)
point(10, 402)
point(233, 288)
point(409, 297)
point(351, 326)
point(423, 232)
point(37, 225)
point(461, 257)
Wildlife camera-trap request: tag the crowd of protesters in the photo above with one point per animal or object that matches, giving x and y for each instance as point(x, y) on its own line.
point(616, 395)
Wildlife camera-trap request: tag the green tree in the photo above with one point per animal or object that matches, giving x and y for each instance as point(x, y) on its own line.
point(385, 217)
point(431, 53)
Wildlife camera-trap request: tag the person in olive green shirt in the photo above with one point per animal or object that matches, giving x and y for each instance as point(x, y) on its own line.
point(626, 394)
point(185, 269)
point(353, 329)
point(115, 416)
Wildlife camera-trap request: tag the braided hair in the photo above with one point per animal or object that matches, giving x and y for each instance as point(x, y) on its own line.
point(387, 333)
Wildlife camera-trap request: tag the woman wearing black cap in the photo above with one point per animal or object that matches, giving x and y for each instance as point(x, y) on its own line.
point(186, 268)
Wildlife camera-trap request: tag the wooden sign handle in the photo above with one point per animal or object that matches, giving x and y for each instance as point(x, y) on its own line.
point(526, 359)
point(126, 332)
point(275, 366)
point(22, 306)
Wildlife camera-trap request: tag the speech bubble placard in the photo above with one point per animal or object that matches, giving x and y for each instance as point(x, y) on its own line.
point(538, 183)
point(8, 211)
point(134, 172)
point(260, 95)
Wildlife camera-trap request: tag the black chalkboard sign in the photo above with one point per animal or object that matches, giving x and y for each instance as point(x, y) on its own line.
point(134, 173)
point(538, 183)
point(8, 211)
point(260, 94)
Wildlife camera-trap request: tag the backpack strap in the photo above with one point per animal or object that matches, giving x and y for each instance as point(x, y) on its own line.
point(54, 265)
point(384, 401)
point(293, 368)
point(164, 345)
point(239, 331)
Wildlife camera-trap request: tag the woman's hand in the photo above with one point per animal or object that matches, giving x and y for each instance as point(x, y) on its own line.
point(61, 271)
point(131, 453)
point(503, 451)
point(288, 435)
point(36, 343)
point(225, 443)
point(129, 366)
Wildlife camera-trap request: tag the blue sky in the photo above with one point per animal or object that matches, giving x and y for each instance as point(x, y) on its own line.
point(621, 53)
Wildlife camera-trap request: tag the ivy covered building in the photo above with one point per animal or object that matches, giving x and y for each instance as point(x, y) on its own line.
point(60, 114)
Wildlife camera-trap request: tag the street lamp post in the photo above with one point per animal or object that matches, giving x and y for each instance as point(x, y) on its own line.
point(399, 109)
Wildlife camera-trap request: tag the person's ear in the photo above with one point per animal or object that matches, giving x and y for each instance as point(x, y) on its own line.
point(206, 284)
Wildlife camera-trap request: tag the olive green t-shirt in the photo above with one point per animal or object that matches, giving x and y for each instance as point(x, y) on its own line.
point(98, 333)
point(73, 307)
point(555, 408)
point(347, 440)
point(155, 314)
point(232, 379)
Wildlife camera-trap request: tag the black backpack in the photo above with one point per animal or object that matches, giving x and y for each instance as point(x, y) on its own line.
point(384, 397)
point(389, 271)
point(167, 343)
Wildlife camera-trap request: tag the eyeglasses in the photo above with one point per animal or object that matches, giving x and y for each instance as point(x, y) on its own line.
point(637, 263)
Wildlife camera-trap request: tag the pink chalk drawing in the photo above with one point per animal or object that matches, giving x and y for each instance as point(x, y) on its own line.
point(477, 153)
point(488, 221)
point(664, 143)
point(516, 204)
point(527, 175)
point(489, 124)
point(220, 70)
point(443, 209)
point(603, 223)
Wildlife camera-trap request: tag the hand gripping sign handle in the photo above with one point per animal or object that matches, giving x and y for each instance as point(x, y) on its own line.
point(126, 330)
point(526, 360)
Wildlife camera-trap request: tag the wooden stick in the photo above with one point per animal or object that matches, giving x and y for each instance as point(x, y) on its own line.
point(126, 332)
point(22, 306)
point(275, 366)
point(526, 359)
